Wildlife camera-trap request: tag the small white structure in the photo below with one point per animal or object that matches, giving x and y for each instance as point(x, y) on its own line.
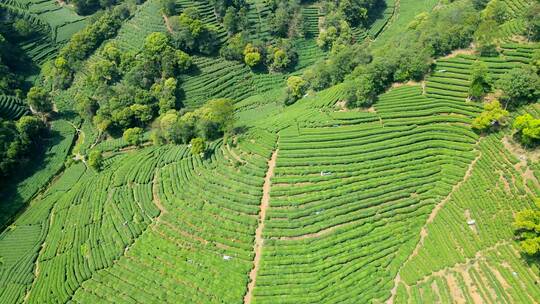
point(471, 222)
point(441, 71)
point(227, 257)
point(326, 173)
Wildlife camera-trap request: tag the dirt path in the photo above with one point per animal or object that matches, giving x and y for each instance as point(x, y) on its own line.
point(258, 233)
point(455, 53)
point(424, 232)
point(234, 155)
point(155, 195)
point(167, 23)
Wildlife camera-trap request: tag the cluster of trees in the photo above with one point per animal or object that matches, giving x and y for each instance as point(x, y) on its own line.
point(59, 73)
point(532, 18)
point(129, 89)
point(405, 57)
point(517, 86)
point(14, 63)
point(446, 29)
point(340, 63)
point(527, 230)
point(86, 7)
point(276, 56)
point(232, 14)
point(493, 14)
point(341, 15)
point(10, 82)
point(527, 130)
point(285, 19)
point(19, 142)
point(520, 85)
point(492, 118)
point(207, 123)
point(192, 35)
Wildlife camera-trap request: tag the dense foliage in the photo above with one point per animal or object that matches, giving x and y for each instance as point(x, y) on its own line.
point(191, 34)
point(527, 129)
point(480, 81)
point(527, 230)
point(86, 7)
point(19, 142)
point(59, 73)
point(209, 122)
point(341, 16)
point(406, 57)
point(130, 89)
point(520, 85)
point(492, 118)
point(13, 61)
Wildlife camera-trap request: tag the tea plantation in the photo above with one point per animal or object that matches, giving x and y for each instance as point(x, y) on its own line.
point(180, 151)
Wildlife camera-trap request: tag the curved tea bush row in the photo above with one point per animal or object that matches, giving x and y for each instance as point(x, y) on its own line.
point(347, 201)
point(21, 243)
point(12, 107)
point(477, 260)
point(204, 235)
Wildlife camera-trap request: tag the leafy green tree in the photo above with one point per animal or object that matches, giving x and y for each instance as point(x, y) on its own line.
point(142, 114)
point(183, 61)
point(198, 146)
point(492, 118)
point(296, 86)
point(169, 126)
point(496, 11)
point(30, 128)
point(527, 230)
point(193, 35)
point(23, 27)
point(95, 159)
point(103, 71)
point(234, 49)
point(38, 98)
point(186, 131)
point(479, 4)
point(480, 80)
point(532, 18)
point(133, 136)
point(485, 36)
point(252, 55)
point(156, 43)
point(366, 92)
point(520, 84)
point(230, 21)
point(168, 7)
point(527, 129)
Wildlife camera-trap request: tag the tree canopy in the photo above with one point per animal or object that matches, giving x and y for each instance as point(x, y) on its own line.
point(527, 230)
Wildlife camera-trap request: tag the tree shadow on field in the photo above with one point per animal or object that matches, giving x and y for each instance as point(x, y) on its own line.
point(377, 12)
point(531, 261)
point(240, 130)
point(12, 201)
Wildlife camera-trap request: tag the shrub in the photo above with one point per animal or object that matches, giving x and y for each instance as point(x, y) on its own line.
point(520, 84)
point(198, 146)
point(527, 129)
point(491, 118)
point(95, 160)
point(526, 229)
point(133, 136)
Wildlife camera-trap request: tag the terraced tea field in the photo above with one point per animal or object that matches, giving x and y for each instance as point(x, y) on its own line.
point(312, 202)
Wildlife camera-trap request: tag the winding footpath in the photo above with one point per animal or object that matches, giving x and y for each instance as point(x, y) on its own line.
point(265, 201)
point(424, 231)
